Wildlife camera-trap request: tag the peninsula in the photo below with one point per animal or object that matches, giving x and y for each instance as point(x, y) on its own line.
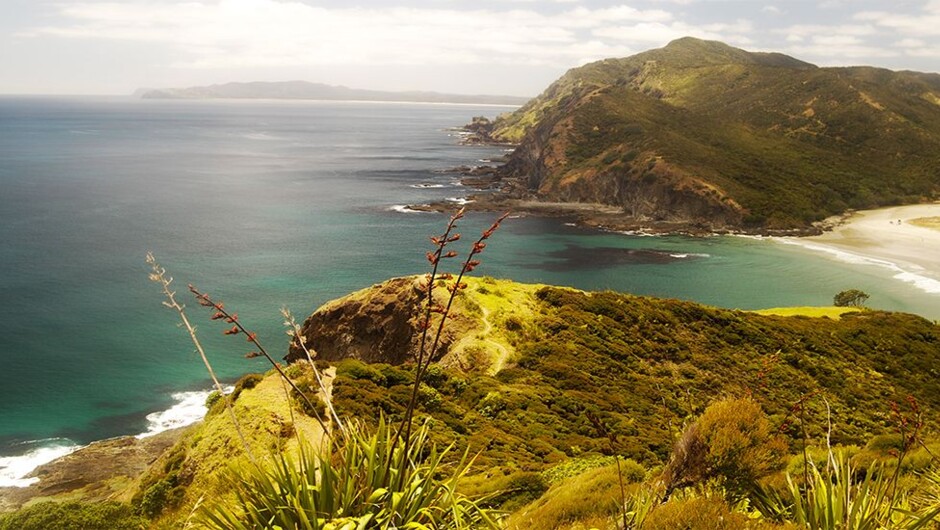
point(699, 136)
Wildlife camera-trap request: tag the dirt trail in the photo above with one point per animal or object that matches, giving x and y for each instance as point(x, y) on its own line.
point(503, 351)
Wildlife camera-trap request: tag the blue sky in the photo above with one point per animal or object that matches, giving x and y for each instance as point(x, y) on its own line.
point(512, 47)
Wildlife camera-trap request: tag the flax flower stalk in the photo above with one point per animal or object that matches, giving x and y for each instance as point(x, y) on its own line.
point(222, 314)
point(295, 333)
point(158, 275)
point(426, 356)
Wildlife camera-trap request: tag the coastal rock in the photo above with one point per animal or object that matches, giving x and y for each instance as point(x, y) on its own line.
point(99, 471)
point(377, 324)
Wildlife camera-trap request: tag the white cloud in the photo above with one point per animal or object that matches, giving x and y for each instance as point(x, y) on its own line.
point(910, 43)
point(926, 23)
point(264, 33)
point(834, 53)
point(652, 33)
point(809, 30)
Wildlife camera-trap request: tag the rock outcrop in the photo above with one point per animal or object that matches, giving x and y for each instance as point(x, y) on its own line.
point(377, 324)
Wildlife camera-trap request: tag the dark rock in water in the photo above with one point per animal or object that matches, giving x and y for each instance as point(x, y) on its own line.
point(577, 257)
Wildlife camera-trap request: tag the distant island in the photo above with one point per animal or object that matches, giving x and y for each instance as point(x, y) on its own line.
point(320, 91)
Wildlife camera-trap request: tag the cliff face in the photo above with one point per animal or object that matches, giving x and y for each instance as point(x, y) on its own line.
point(700, 132)
point(380, 327)
point(377, 324)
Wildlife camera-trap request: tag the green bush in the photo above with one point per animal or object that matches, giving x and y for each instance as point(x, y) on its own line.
point(359, 370)
point(246, 382)
point(700, 513)
point(429, 397)
point(491, 405)
point(732, 442)
point(213, 399)
point(73, 516)
point(517, 490)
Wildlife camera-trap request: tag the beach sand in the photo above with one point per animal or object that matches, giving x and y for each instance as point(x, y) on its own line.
point(877, 237)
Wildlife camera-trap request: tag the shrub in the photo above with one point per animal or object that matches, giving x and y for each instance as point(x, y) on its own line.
point(213, 399)
point(699, 513)
point(591, 499)
point(491, 405)
point(836, 499)
point(518, 490)
point(429, 397)
point(73, 515)
point(732, 442)
point(359, 370)
point(248, 381)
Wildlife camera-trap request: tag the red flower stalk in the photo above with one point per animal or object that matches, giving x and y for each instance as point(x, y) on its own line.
point(425, 355)
point(206, 301)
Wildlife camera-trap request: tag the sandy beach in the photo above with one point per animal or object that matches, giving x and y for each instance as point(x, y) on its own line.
point(887, 237)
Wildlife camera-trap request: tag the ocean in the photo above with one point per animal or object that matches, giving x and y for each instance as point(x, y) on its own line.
point(270, 204)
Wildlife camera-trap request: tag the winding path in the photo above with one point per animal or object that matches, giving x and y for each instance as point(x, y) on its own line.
point(503, 351)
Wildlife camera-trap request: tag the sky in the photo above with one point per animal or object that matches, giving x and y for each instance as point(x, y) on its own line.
point(510, 47)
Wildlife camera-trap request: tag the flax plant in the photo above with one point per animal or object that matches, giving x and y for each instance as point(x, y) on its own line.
point(834, 500)
point(348, 490)
point(392, 478)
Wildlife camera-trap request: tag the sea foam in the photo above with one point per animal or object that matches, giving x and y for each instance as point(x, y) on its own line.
point(14, 469)
point(924, 283)
point(402, 208)
point(190, 407)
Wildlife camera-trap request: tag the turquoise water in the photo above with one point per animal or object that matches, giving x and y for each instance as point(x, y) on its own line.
point(271, 204)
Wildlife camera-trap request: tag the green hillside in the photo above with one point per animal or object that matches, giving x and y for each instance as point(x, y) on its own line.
point(552, 388)
point(701, 132)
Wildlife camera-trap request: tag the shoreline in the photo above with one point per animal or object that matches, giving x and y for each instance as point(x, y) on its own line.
point(885, 237)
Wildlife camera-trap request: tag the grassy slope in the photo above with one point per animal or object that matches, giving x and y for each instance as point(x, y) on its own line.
point(832, 312)
point(789, 142)
point(199, 461)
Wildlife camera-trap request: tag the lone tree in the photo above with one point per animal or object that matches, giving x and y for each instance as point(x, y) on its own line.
point(851, 297)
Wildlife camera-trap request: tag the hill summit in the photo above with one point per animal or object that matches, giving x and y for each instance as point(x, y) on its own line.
point(700, 133)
